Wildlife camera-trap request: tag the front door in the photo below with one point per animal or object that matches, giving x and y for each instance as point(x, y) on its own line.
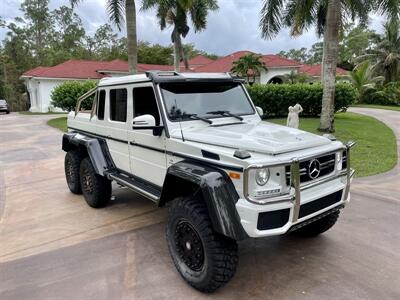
point(147, 152)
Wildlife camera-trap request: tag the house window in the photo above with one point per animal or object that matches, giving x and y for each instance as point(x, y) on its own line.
point(118, 105)
point(144, 103)
point(101, 105)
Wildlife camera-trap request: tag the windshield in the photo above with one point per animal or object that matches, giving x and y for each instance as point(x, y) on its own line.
point(204, 99)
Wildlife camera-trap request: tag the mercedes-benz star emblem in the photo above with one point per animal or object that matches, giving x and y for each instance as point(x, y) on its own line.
point(314, 168)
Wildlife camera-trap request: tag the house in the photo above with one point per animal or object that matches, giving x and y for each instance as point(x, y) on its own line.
point(41, 81)
point(315, 71)
point(277, 66)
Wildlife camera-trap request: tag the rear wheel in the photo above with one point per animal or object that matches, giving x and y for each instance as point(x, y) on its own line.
point(204, 258)
point(72, 164)
point(319, 226)
point(95, 188)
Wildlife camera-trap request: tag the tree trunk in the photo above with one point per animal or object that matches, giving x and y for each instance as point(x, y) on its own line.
point(130, 11)
point(183, 55)
point(176, 40)
point(329, 64)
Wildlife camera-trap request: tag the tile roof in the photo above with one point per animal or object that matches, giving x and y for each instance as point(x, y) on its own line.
point(315, 70)
point(225, 64)
point(197, 61)
point(82, 69)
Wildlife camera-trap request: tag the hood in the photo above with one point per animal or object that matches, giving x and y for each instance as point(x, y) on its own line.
point(261, 137)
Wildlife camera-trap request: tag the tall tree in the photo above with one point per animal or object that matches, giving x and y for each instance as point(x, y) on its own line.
point(176, 13)
point(116, 10)
point(37, 26)
point(328, 16)
point(385, 57)
point(249, 65)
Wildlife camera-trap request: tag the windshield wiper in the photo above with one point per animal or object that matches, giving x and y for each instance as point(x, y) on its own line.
point(193, 117)
point(225, 113)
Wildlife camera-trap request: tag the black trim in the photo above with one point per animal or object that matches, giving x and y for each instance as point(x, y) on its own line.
point(209, 155)
point(321, 203)
point(97, 135)
point(140, 183)
point(217, 164)
point(273, 219)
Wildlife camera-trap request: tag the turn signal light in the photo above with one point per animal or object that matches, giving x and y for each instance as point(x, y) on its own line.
point(234, 175)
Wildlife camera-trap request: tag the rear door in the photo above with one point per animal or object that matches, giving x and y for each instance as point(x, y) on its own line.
point(147, 152)
point(117, 126)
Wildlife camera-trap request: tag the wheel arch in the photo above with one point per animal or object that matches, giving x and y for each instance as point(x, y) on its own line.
point(93, 147)
point(216, 189)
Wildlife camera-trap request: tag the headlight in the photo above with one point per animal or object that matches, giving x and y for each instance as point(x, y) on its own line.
point(262, 176)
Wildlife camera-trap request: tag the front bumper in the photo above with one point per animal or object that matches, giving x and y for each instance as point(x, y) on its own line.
point(304, 203)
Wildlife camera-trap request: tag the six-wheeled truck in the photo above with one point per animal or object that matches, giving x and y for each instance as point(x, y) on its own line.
point(196, 143)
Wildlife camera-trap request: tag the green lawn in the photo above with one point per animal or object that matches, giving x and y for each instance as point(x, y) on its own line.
point(29, 113)
point(376, 149)
point(59, 123)
point(375, 152)
point(377, 106)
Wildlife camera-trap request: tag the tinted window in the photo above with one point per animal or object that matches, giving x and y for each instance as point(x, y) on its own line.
point(118, 103)
point(101, 105)
point(202, 98)
point(145, 103)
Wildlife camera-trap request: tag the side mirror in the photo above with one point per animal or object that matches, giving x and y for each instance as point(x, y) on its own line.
point(143, 121)
point(147, 122)
point(260, 111)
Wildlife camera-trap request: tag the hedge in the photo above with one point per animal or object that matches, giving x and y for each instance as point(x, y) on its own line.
point(275, 99)
point(66, 94)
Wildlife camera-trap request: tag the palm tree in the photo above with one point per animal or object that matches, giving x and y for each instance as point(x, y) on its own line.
point(296, 77)
point(175, 12)
point(249, 65)
point(116, 10)
point(385, 57)
point(363, 79)
point(328, 16)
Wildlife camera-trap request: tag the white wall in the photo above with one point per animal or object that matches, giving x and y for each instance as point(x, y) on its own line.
point(275, 72)
point(40, 93)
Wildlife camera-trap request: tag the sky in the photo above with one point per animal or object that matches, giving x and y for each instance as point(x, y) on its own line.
point(233, 27)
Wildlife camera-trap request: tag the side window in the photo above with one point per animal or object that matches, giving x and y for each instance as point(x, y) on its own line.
point(118, 105)
point(101, 105)
point(144, 103)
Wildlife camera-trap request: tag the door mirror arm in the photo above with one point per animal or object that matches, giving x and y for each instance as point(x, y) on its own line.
point(157, 130)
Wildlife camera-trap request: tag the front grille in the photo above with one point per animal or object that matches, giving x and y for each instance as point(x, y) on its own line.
point(344, 160)
point(321, 203)
point(327, 165)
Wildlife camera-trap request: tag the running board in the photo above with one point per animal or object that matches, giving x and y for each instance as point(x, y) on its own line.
point(138, 185)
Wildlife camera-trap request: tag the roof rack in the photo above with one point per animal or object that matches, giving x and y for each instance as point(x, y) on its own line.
point(173, 76)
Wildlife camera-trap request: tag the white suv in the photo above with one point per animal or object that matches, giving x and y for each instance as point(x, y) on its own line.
point(196, 143)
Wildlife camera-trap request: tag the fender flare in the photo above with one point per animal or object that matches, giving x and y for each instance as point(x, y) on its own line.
point(96, 149)
point(217, 190)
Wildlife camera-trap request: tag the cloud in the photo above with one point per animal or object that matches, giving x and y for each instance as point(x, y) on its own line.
point(233, 27)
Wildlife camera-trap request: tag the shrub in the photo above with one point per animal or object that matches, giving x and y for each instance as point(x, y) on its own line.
point(389, 94)
point(65, 96)
point(275, 99)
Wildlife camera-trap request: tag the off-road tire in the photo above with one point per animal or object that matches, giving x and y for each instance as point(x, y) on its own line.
point(72, 163)
point(220, 256)
point(315, 228)
point(7, 112)
point(95, 188)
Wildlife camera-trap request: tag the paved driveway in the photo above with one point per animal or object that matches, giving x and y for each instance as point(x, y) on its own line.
point(53, 246)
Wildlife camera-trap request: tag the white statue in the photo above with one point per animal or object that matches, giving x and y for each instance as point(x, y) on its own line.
point(293, 116)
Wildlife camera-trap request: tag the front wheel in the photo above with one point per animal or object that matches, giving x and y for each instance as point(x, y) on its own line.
point(204, 258)
point(95, 188)
point(315, 228)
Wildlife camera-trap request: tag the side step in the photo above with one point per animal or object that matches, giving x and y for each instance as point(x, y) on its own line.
point(138, 185)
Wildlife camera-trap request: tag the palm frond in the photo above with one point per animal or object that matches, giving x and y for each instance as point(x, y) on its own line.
point(116, 10)
point(391, 8)
point(74, 2)
point(271, 17)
